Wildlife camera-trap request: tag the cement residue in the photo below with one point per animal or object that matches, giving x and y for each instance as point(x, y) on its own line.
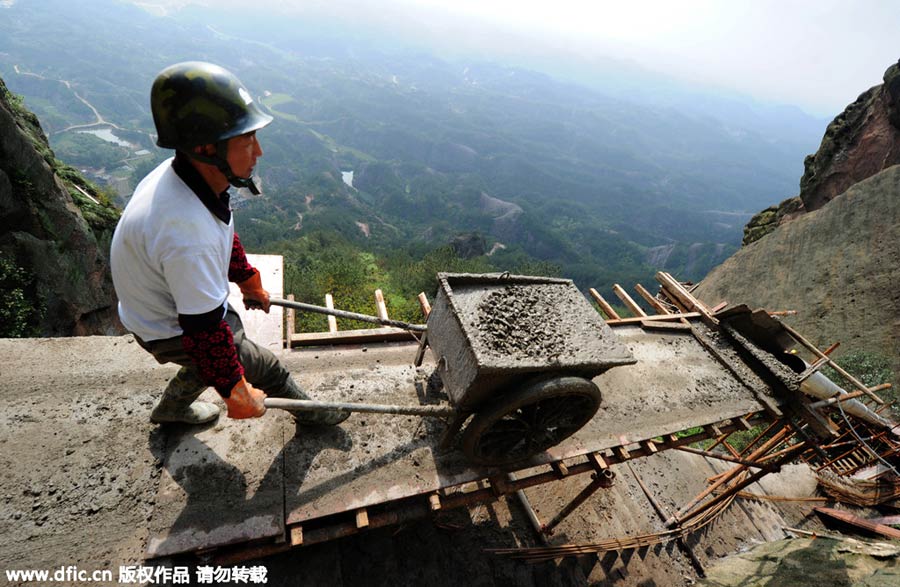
point(524, 320)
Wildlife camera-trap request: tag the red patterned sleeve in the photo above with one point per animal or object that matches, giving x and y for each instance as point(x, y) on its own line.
point(213, 350)
point(239, 269)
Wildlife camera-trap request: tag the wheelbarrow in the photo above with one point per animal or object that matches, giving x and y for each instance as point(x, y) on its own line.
point(516, 355)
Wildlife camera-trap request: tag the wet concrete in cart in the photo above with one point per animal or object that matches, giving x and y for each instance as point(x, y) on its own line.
point(488, 337)
point(520, 320)
point(541, 325)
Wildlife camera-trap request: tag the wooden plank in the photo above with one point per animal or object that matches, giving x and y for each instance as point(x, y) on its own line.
point(598, 460)
point(561, 469)
point(297, 536)
point(713, 430)
point(628, 301)
point(362, 518)
point(665, 326)
point(386, 334)
point(650, 447)
point(660, 318)
point(858, 523)
point(220, 485)
point(651, 299)
point(604, 305)
point(332, 321)
point(380, 306)
point(434, 502)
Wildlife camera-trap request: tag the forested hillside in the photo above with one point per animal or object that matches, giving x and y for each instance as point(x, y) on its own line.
point(381, 155)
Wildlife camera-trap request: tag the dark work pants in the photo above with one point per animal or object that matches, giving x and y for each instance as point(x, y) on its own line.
point(261, 367)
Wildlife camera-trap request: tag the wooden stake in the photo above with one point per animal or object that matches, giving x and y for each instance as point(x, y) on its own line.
point(652, 319)
point(332, 321)
point(628, 301)
point(289, 316)
point(362, 518)
point(651, 299)
point(604, 305)
point(380, 306)
point(423, 303)
point(297, 536)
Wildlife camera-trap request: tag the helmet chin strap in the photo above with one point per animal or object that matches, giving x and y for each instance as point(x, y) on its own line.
point(220, 160)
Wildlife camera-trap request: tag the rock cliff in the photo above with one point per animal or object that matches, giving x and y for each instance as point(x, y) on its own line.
point(860, 142)
point(55, 233)
point(838, 266)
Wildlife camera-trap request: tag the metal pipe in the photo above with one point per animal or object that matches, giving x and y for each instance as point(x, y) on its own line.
point(303, 405)
point(529, 511)
point(821, 387)
point(851, 395)
point(347, 315)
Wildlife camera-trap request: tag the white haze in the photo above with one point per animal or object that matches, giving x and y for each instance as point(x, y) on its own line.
point(816, 54)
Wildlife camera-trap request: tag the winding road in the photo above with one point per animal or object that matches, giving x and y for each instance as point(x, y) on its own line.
point(100, 121)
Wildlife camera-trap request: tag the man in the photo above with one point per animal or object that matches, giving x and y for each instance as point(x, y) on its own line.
point(175, 250)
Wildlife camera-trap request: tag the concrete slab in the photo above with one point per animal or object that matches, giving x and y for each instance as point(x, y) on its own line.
point(371, 458)
point(675, 385)
point(220, 485)
point(264, 329)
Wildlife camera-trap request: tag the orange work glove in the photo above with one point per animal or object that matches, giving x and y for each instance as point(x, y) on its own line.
point(254, 294)
point(245, 401)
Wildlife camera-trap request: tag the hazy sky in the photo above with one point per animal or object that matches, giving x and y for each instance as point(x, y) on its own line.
point(817, 54)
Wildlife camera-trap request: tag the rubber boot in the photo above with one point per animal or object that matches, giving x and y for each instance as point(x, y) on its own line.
point(317, 418)
point(177, 402)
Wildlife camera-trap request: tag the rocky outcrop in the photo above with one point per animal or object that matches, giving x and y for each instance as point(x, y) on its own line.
point(766, 221)
point(56, 227)
point(838, 266)
point(860, 142)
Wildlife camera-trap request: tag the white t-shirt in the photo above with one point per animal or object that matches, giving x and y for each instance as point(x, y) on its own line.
point(169, 256)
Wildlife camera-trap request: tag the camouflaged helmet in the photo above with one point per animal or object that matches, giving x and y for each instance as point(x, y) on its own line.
point(196, 103)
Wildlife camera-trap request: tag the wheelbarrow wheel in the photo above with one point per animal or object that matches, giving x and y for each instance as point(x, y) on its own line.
point(529, 420)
